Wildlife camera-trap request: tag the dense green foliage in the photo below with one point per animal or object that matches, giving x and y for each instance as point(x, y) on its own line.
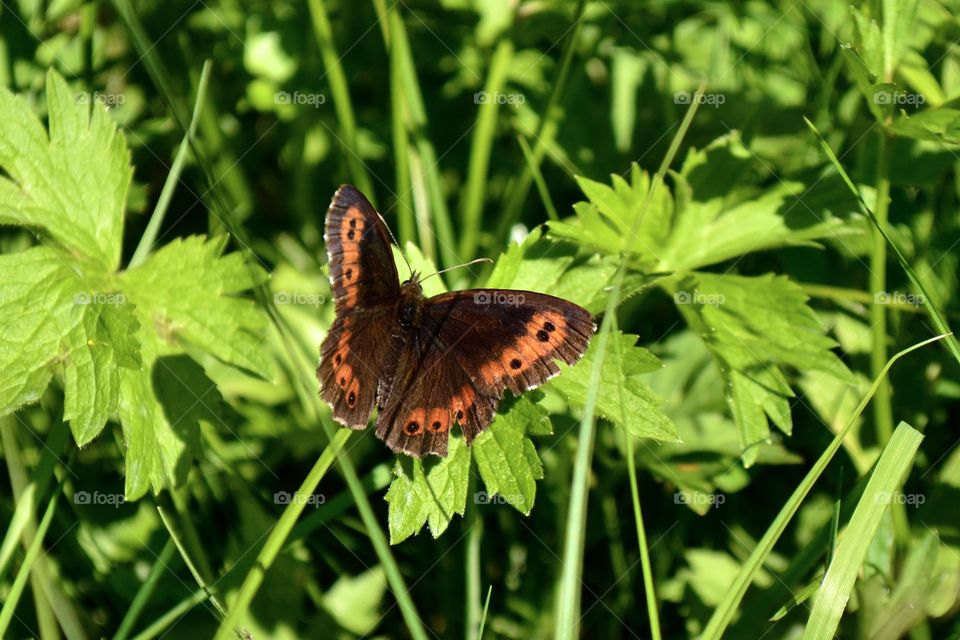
point(758, 202)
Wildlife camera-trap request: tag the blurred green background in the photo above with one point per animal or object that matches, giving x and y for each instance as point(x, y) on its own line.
point(394, 97)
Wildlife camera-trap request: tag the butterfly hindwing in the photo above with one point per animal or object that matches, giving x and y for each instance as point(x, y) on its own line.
point(469, 346)
point(351, 359)
point(362, 272)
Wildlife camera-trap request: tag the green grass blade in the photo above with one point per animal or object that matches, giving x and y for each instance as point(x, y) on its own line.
point(173, 178)
point(400, 125)
point(191, 565)
point(568, 604)
point(546, 129)
point(27, 502)
point(159, 626)
point(648, 586)
point(33, 553)
point(534, 168)
point(146, 590)
point(724, 612)
point(486, 607)
point(425, 174)
point(341, 94)
point(892, 467)
point(484, 133)
point(278, 536)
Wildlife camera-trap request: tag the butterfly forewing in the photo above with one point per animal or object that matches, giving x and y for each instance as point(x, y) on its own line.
point(362, 272)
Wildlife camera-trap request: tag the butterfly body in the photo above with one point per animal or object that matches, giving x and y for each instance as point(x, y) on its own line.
point(429, 363)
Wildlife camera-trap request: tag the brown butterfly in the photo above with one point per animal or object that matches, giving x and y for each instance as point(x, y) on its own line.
point(426, 363)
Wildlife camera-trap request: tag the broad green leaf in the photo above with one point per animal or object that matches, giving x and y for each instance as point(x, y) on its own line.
point(38, 297)
point(71, 183)
point(714, 222)
point(763, 319)
point(507, 460)
point(562, 269)
point(898, 29)
point(753, 326)
point(939, 125)
point(101, 347)
point(161, 406)
point(623, 364)
point(606, 221)
point(354, 601)
point(186, 291)
point(430, 492)
point(59, 323)
point(869, 41)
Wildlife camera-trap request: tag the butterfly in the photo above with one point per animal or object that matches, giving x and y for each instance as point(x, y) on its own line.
point(427, 363)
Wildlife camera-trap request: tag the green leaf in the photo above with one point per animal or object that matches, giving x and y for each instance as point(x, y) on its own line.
point(939, 125)
point(100, 347)
point(185, 291)
point(60, 324)
point(38, 294)
point(430, 492)
point(898, 29)
point(606, 221)
point(887, 476)
point(73, 183)
point(705, 221)
point(714, 222)
point(622, 397)
point(562, 269)
point(507, 460)
point(354, 601)
point(161, 407)
point(753, 325)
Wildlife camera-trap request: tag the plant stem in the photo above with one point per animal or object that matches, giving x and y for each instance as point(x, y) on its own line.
point(473, 524)
point(882, 407)
point(648, 586)
point(149, 237)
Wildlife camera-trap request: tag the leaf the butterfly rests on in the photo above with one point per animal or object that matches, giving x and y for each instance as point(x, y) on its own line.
point(428, 363)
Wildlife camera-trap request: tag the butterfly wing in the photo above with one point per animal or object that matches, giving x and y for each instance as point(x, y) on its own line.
point(468, 348)
point(366, 288)
point(362, 272)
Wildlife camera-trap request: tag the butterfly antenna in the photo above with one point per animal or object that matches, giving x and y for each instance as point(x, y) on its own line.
point(394, 238)
point(465, 264)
